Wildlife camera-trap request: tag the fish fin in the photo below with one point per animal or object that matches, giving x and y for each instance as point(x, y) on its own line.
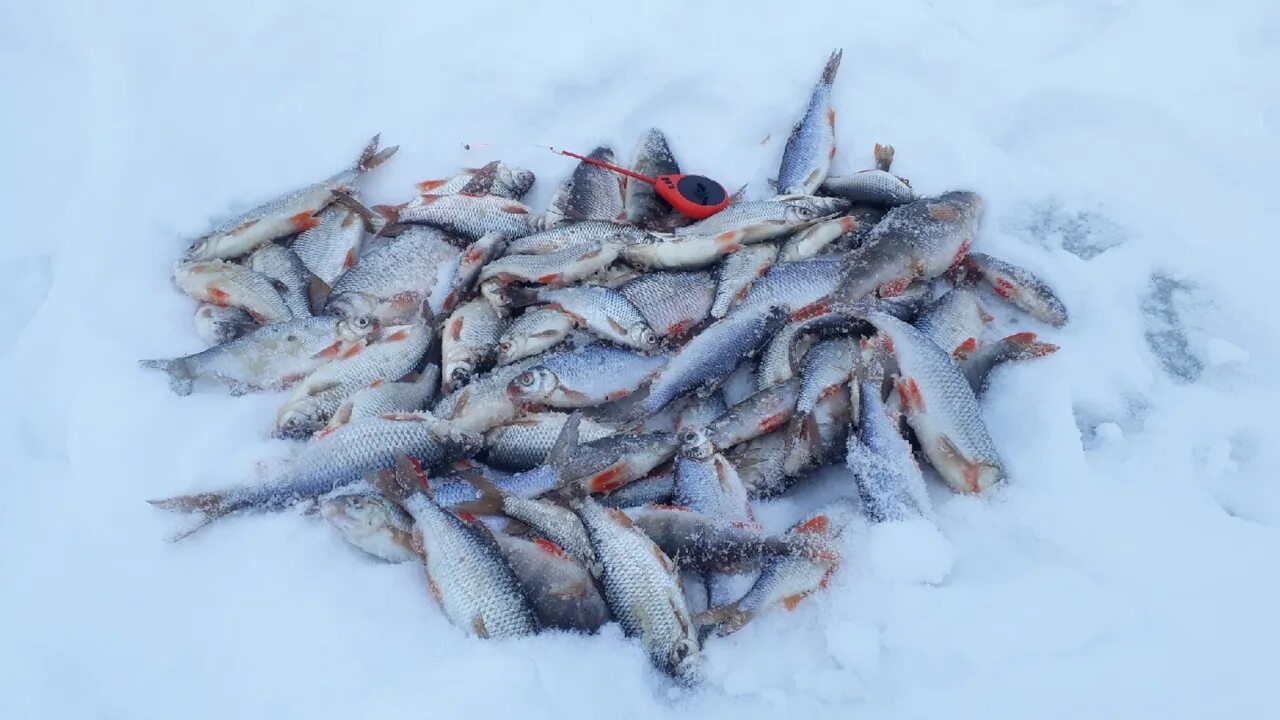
point(481, 182)
point(1024, 346)
point(965, 349)
point(721, 621)
point(832, 66)
point(402, 482)
point(972, 470)
point(490, 501)
point(181, 379)
point(884, 157)
point(390, 212)
point(341, 416)
point(210, 506)
point(317, 293)
point(566, 444)
point(346, 198)
point(617, 327)
point(519, 296)
point(371, 157)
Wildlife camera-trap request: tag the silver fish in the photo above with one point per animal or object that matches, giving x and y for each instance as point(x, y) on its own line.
point(758, 220)
point(707, 483)
point(656, 489)
point(468, 216)
point(467, 573)
point(333, 245)
point(473, 259)
point(469, 342)
point(373, 524)
point(216, 324)
point(269, 358)
point(337, 459)
point(816, 238)
point(870, 186)
point(712, 354)
point(552, 521)
point(954, 322)
point(821, 440)
point(395, 277)
point(590, 193)
point(286, 215)
point(585, 377)
point(761, 464)
point(381, 398)
point(653, 157)
point(1020, 287)
point(978, 364)
point(673, 302)
point(681, 253)
point(576, 234)
point(605, 312)
point(389, 356)
point(484, 402)
point(495, 178)
point(793, 285)
point(287, 273)
point(566, 266)
point(533, 333)
point(788, 579)
point(759, 414)
point(561, 590)
point(940, 406)
point(228, 284)
point(807, 156)
point(612, 462)
point(525, 442)
point(698, 541)
point(642, 588)
point(736, 273)
point(920, 240)
point(827, 368)
point(889, 480)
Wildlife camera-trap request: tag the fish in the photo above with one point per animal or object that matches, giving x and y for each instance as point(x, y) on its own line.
point(736, 273)
point(817, 237)
point(273, 357)
point(655, 489)
point(698, 541)
point(827, 368)
point(786, 580)
point(484, 402)
point(941, 408)
point(566, 266)
point(590, 193)
point(978, 364)
point(563, 593)
point(642, 588)
point(554, 473)
point(681, 253)
point(712, 354)
point(537, 330)
point(761, 464)
point(613, 461)
point(230, 285)
point(469, 342)
point(577, 234)
point(653, 157)
point(467, 572)
point(291, 278)
point(373, 524)
point(333, 245)
point(467, 216)
point(585, 377)
point(916, 241)
point(821, 439)
point(760, 414)
point(877, 187)
point(524, 443)
point(390, 355)
point(794, 285)
point(553, 521)
point(288, 214)
point(473, 259)
point(673, 303)
point(884, 469)
point(806, 159)
point(954, 322)
point(494, 178)
point(216, 324)
point(707, 483)
point(331, 462)
point(382, 397)
point(395, 277)
point(699, 411)
point(1019, 287)
point(605, 312)
point(755, 221)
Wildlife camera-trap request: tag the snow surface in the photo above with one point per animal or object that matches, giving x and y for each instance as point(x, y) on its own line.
point(1127, 151)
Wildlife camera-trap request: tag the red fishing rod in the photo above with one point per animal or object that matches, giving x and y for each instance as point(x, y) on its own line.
point(694, 196)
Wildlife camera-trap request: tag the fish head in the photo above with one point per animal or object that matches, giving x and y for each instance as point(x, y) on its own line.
point(536, 383)
point(684, 662)
point(356, 327)
point(205, 248)
point(298, 420)
point(643, 335)
point(694, 443)
point(359, 516)
point(807, 209)
point(459, 374)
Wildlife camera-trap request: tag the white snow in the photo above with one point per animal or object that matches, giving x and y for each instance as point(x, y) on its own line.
point(1128, 570)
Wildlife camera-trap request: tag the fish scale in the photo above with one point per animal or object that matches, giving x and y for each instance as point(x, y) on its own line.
point(758, 220)
point(566, 266)
point(672, 302)
point(333, 245)
point(381, 398)
point(605, 312)
point(590, 193)
point(468, 216)
point(812, 143)
point(586, 377)
point(469, 342)
point(288, 273)
point(395, 276)
point(523, 443)
point(953, 320)
point(736, 273)
point(576, 234)
point(228, 284)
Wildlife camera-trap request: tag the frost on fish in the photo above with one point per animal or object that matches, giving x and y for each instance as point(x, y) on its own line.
point(808, 152)
point(590, 192)
point(1165, 306)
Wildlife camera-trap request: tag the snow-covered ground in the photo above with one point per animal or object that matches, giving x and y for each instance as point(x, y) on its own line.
point(1128, 153)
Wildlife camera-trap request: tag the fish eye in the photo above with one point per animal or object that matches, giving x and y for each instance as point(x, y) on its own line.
point(357, 502)
point(362, 322)
point(689, 437)
point(504, 346)
point(525, 378)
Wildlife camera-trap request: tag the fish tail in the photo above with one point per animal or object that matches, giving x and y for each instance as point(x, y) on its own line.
point(346, 198)
point(210, 506)
point(490, 501)
point(514, 296)
point(566, 445)
point(721, 621)
point(884, 157)
point(371, 157)
point(833, 65)
point(181, 378)
point(1024, 346)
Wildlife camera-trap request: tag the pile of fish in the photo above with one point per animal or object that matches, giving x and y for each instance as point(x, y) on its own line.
point(569, 417)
